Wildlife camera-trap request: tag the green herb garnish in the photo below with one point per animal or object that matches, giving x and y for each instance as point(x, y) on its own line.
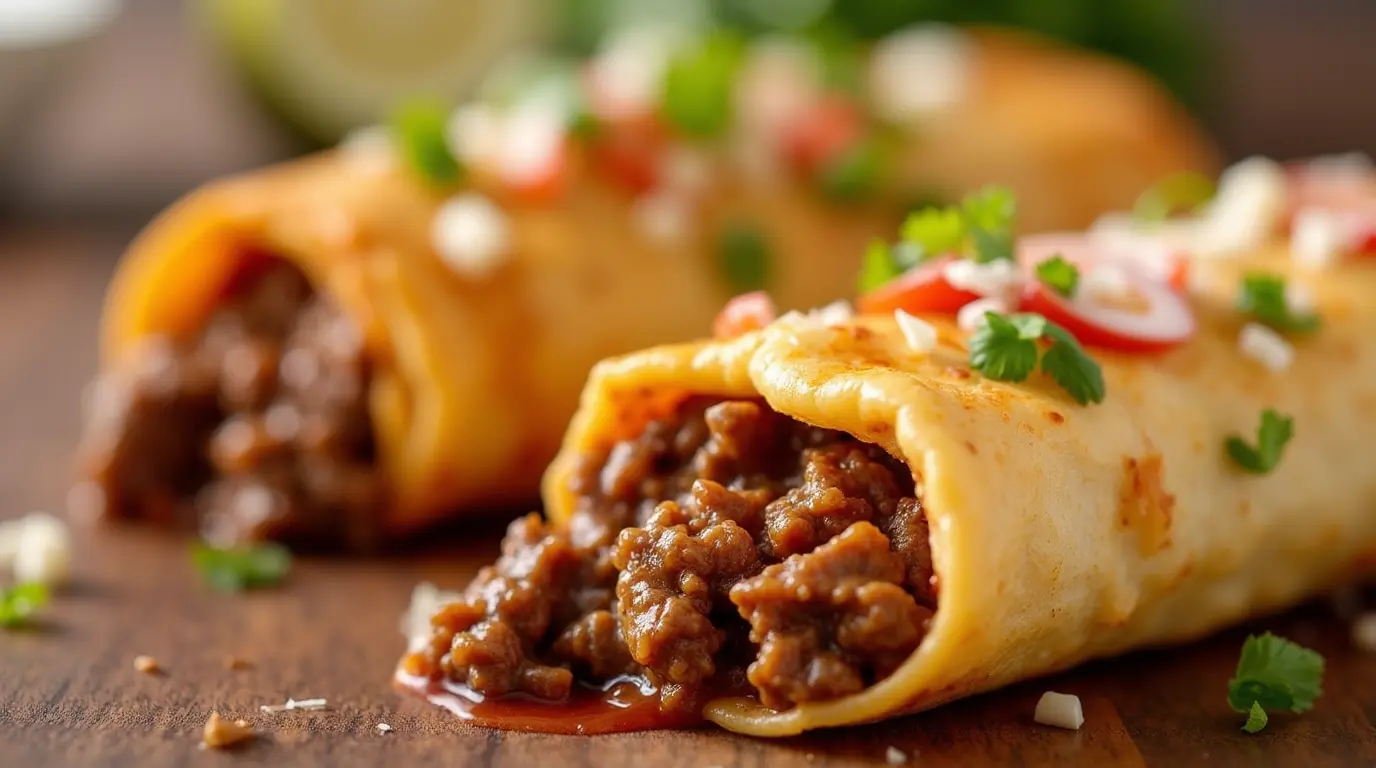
point(20, 602)
point(699, 84)
point(1184, 192)
point(240, 568)
point(743, 257)
point(990, 215)
point(1263, 297)
point(1004, 348)
point(1273, 433)
point(934, 231)
point(1275, 674)
point(418, 129)
point(853, 174)
point(1256, 719)
point(1059, 275)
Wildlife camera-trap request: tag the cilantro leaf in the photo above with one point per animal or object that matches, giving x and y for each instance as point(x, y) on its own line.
point(743, 258)
point(418, 130)
point(1059, 275)
point(989, 216)
point(1263, 297)
point(1276, 674)
point(240, 568)
point(1273, 433)
point(1183, 192)
point(1067, 363)
point(699, 83)
point(853, 174)
point(1004, 350)
point(20, 602)
point(934, 231)
point(1256, 719)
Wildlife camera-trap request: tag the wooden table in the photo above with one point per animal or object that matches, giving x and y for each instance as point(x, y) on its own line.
point(69, 694)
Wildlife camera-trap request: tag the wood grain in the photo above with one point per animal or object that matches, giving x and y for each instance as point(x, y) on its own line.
point(69, 693)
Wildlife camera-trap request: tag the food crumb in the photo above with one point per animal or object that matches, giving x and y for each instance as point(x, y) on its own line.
point(384, 728)
point(236, 663)
point(147, 665)
point(1364, 632)
point(1061, 710)
point(220, 733)
point(895, 756)
point(291, 704)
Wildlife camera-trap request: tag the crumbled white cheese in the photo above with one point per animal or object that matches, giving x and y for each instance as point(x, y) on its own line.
point(532, 138)
point(1061, 710)
point(1250, 201)
point(1364, 632)
point(664, 216)
point(44, 550)
point(971, 316)
point(1265, 346)
point(1000, 279)
point(471, 235)
point(384, 728)
point(919, 72)
point(307, 704)
point(920, 334)
point(426, 600)
point(895, 756)
point(835, 313)
point(1318, 238)
point(685, 171)
point(368, 149)
point(474, 133)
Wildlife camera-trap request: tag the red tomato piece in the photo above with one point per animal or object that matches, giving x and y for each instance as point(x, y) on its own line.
point(629, 153)
point(825, 130)
point(923, 288)
point(744, 313)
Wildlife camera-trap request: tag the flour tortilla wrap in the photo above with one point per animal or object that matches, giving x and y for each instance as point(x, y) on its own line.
point(1060, 532)
point(473, 378)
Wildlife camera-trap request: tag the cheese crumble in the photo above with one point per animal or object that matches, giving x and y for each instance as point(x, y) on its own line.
point(1060, 710)
point(471, 235)
point(1318, 238)
point(920, 334)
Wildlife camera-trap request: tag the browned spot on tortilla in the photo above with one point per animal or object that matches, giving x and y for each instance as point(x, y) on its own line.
point(956, 372)
point(1144, 505)
point(860, 332)
point(879, 428)
point(1055, 417)
point(969, 446)
point(1181, 576)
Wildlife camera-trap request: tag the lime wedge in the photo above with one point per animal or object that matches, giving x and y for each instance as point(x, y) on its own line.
point(327, 66)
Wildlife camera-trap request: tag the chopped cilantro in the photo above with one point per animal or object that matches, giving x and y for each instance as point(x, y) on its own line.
point(934, 231)
point(853, 174)
point(1256, 719)
point(1263, 297)
point(1059, 275)
point(418, 129)
point(743, 257)
point(989, 216)
point(699, 83)
point(1275, 674)
point(1273, 433)
point(240, 568)
point(1004, 348)
point(1184, 192)
point(18, 603)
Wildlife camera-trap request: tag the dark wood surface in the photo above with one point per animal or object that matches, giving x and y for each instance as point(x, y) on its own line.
point(69, 694)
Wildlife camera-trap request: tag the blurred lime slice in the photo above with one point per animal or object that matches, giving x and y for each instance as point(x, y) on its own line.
point(327, 66)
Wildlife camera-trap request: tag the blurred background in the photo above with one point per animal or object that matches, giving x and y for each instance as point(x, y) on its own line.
point(110, 109)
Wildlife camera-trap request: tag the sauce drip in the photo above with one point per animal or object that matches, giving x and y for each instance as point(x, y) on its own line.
point(619, 706)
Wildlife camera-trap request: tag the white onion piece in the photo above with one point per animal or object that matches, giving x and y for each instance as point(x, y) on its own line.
point(1166, 317)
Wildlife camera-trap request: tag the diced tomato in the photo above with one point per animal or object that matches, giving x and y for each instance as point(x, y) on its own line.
point(826, 129)
point(1366, 241)
point(744, 313)
point(629, 153)
point(923, 288)
point(1157, 319)
point(545, 186)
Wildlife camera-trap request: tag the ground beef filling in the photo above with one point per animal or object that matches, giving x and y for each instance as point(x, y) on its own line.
point(255, 428)
point(724, 545)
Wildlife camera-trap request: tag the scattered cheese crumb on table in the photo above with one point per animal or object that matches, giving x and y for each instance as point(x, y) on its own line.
point(44, 553)
point(384, 728)
point(1061, 710)
point(147, 665)
point(895, 756)
point(294, 704)
point(1364, 632)
point(220, 733)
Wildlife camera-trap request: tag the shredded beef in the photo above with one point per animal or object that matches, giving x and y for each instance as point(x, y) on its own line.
point(255, 427)
point(724, 544)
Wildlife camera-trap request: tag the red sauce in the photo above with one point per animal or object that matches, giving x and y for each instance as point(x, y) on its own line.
point(622, 705)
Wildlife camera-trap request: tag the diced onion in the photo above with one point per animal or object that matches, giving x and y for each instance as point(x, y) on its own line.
point(1250, 202)
point(999, 279)
point(920, 334)
point(971, 316)
point(1060, 710)
point(1318, 238)
point(1266, 347)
